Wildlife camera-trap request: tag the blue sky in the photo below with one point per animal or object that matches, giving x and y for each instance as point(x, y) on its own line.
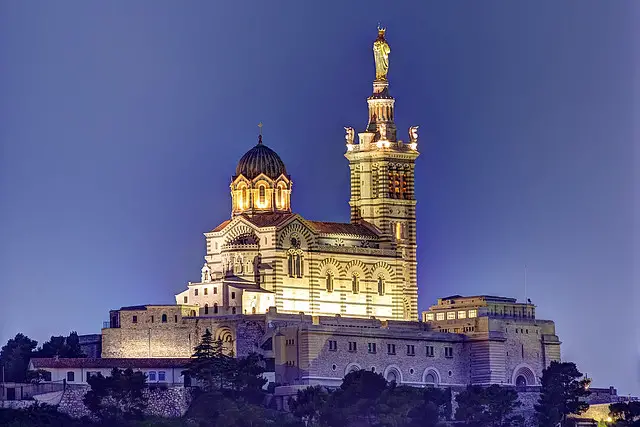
point(121, 124)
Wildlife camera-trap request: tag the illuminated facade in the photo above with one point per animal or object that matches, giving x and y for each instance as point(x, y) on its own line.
point(365, 268)
point(320, 299)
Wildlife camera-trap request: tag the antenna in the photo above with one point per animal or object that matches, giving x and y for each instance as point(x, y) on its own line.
point(525, 283)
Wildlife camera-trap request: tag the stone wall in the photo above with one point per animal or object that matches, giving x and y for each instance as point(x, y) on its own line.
point(167, 403)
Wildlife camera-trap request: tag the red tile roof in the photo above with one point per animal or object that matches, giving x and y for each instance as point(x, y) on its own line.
point(343, 228)
point(274, 219)
point(50, 362)
point(268, 219)
point(221, 226)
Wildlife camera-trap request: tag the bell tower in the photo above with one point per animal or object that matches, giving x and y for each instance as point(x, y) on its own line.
point(382, 178)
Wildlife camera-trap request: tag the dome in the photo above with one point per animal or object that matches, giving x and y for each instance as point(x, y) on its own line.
point(260, 159)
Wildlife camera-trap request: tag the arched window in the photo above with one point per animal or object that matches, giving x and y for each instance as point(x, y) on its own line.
point(206, 309)
point(298, 265)
point(279, 197)
point(430, 379)
point(262, 195)
point(294, 264)
point(215, 308)
point(355, 286)
point(164, 318)
point(329, 282)
point(290, 264)
point(380, 285)
point(192, 313)
point(392, 376)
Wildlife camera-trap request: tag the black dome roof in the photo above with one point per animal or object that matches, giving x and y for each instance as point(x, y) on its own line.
point(260, 159)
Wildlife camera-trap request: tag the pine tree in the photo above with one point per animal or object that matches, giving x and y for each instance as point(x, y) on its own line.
point(561, 394)
point(209, 365)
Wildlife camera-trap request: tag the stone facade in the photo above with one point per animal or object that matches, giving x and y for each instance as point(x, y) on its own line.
point(171, 402)
point(319, 299)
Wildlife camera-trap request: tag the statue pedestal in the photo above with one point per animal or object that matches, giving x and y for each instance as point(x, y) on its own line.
point(380, 85)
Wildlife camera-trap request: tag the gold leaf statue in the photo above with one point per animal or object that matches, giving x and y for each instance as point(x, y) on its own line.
point(381, 52)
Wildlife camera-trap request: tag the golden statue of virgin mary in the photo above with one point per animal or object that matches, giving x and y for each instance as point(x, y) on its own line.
point(381, 52)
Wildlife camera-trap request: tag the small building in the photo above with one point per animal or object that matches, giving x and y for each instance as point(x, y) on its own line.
point(160, 371)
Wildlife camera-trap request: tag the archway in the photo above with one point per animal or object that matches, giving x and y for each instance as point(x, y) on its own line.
point(393, 373)
point(431, 377)
point(523, 376)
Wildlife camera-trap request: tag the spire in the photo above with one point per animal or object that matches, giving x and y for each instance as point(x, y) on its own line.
point(260, 136)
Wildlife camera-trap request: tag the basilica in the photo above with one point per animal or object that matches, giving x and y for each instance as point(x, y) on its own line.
point(320, 299)
point(266, 255)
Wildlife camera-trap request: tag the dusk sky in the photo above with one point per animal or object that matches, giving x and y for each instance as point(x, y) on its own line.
point(121, 124)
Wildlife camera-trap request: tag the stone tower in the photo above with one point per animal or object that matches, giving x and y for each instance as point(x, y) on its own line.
point(382, 177)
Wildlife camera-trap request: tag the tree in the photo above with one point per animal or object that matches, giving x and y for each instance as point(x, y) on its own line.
point(488, 406)
point(395, 407)
point(37, 376)
point(117, 397)
point(73, 349)
point(562, 393)
point(625, 413)
point(435, 406)
point(246, 377)
point(355, 402)
point(60, 346)
point(209, 365)
point(308, 404)
point(14, 357)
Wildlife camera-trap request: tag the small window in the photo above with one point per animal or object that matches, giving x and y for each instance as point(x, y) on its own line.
point(161, 376)
point(233, 295)
point(380, 285)
point(355, 286)
point(429, 351)
point(195, 292)
point(371, 347)
point(448, 352)
point(440, 316)
point(329, 282)
point(164, 318)
point(186, 299)
point(215, 290)
point(152, 375)
point(262, 194)
point(134, 319)
point(71, 376)
point(411, 350)
point(152, 318)
point(353, 347)
point(430, 317)
point(206, 291)
point(451, 315)
point(473, 313)
point(462, 314)
point(391, 348)
point(175, 318)
point(233, 310)
point(333, 345)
